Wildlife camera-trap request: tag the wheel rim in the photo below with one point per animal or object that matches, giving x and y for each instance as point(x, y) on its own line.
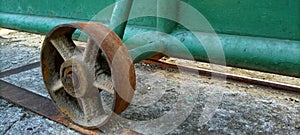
point(73, 76)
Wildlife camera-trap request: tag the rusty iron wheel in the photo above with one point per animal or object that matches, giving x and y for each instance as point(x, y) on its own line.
point(75, 76)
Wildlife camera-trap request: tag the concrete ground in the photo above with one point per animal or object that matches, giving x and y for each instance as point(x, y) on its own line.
point(165, 102)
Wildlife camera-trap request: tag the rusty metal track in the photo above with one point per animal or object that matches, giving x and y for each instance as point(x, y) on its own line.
point(19, 69)
point(42, 106)
point(276, 85)
point(37, 104)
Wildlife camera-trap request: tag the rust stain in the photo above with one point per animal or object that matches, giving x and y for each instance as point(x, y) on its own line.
point(67, 113)
point(44, 70)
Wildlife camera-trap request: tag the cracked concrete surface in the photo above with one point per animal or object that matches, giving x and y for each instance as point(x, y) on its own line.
point(8, 120)
point(244, 108)
point(16, 120)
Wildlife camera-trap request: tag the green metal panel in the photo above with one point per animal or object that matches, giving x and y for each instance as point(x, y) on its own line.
point(263, 18)
point(72, 9)
point(120, 16)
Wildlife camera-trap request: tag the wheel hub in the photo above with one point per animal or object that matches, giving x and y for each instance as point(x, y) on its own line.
point(75, 78)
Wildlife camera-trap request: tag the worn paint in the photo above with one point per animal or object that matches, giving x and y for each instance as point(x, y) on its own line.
point(120, 16)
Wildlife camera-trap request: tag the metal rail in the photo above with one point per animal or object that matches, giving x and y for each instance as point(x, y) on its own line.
point(20, 69)
point(205, 72)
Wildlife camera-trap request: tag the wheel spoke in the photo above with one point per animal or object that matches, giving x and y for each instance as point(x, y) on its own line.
point(91, 105)
point(104, 83)
point(56, 86)
point(65, 47)
point(91, 51)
